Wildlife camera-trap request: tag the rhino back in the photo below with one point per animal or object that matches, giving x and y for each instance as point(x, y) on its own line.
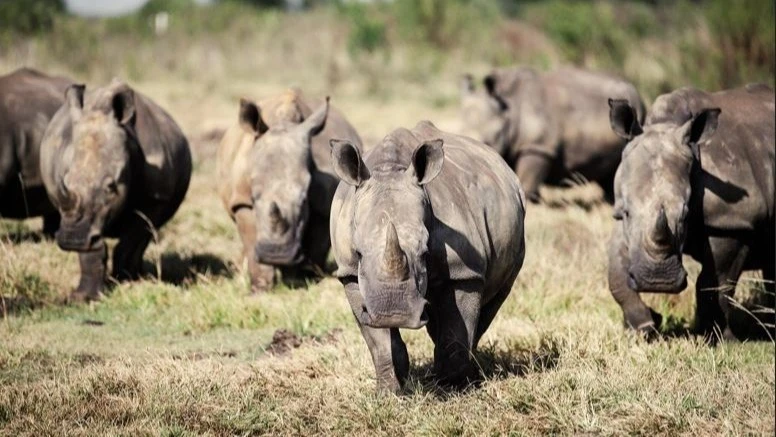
point(478, 209)
point(579, 101)
point(167, 165)
point(737, 163)
point(28, 101)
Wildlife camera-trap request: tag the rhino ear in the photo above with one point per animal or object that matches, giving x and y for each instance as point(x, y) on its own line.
point(316, 122)
point(250, 117)
point(427, 161)
point(623, 119)
point(700, 129)
point(347, 163)
point(74, 97)
point(123, 105)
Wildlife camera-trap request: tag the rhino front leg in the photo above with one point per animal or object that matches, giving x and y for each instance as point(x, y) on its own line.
point(128, 254)
point(261, 275)
point(723, 261)
point(389, 353)
point(532, 169)
point(92, 281)
point(452, 326)
point(637, 314)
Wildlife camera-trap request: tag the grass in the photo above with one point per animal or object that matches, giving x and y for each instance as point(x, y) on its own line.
point(187, 352)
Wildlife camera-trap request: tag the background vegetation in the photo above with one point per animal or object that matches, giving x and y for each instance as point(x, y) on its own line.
point(187, 352)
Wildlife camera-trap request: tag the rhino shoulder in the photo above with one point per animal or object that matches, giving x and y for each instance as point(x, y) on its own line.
point(341, 229)
point(165, 149)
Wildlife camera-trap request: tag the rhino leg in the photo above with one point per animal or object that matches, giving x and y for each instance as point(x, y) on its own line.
point(50, 224)
point(389, 353)
point(453, 322)
point(261, 275)
point(637, 314)
point(723, 261)
point(128, 254)
point(489, 311)
point(532, 169)
point(92, 281)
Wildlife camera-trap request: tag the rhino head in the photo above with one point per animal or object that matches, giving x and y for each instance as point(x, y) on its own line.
point(94, 184)
point(281, 173)
point(390, 233)
point(652, 192)
point(484, 115)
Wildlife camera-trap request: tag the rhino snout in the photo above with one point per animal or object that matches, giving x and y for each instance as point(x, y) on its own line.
point(394, 308)
point(78, 237)
point(665, 277)
point(279, 254)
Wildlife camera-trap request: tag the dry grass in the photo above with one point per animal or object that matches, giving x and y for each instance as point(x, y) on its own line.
point(188, 352)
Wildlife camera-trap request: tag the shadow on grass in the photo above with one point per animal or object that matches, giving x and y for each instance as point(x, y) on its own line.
point(491, 363)
point(178, 270)
point(18, 236)
point(752, 319)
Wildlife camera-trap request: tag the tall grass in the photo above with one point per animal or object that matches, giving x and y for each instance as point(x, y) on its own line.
point(710, 44)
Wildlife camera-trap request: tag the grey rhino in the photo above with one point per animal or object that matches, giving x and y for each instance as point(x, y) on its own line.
point(28, 100)
point(276, 181)
point(697, 178)
point(115, 165)
point(427, 229)
point(550, 127)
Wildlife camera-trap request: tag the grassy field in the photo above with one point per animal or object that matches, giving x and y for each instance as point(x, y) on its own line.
point(187, 351)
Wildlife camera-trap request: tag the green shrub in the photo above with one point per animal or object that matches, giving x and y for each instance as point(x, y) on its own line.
point(29, 16)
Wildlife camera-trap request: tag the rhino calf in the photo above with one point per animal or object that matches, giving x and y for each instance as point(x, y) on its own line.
point(551, 127)
point(697, 178)
point(28, 100)
point(115, 165)
point(426, 230)
point(276, 181)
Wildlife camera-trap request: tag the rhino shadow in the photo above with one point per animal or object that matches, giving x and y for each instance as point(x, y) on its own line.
point(491, 362)
point(18, 236)
point(178, 270)
point(725, 190)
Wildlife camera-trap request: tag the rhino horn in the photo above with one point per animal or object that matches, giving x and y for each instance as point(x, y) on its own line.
point(394, 261)
point(278, 224)
point(661, 234)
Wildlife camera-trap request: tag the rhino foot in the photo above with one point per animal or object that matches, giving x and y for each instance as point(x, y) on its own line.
point(84, 296)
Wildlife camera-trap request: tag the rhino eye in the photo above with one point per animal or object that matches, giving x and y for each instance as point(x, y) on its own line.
point(112, 187)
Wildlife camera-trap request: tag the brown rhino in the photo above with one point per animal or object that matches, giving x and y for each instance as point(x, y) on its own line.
point(427, 229)
point(28, 100)
point(697, 178)
point(550, 127)
point(276, 181)
point(115, 165)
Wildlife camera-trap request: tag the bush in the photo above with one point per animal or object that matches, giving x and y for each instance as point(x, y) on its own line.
point(29, 16)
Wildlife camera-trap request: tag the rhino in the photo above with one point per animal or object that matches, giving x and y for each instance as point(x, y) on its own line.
point(277, 184)
point(426, 230)
point(28, 100)
point(116, 165)
point(550, 127)
point(697, 178)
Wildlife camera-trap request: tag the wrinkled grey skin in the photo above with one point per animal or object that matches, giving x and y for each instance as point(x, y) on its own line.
point(115, 165)
point(426, 230)
point(697, 178)
point(28, 100)
point(550, 127)
point(281, 199)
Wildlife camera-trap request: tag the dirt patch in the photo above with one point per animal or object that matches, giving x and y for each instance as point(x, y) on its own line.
point(284, 341)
